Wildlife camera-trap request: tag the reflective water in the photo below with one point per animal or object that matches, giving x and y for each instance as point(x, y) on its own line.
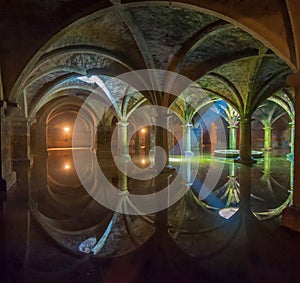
point(68, 223)
point(70, 215)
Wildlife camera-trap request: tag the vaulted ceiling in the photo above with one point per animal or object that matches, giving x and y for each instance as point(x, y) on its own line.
point(120, 37)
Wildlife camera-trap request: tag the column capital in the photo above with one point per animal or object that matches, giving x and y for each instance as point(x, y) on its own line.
point(245, 119)
point(187, 125)
point(292, 124)
point(31, 121)
point(122, 123)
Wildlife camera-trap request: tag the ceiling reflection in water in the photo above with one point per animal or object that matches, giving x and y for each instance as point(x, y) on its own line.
point(200, 223)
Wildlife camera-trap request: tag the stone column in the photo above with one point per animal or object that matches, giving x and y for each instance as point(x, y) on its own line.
point(201, 133)
point(187, 139)
point(170, 134)
point(8, 177)
point(20, 139)
point(291, 215)
point(232, 137)
point(267, 163)
point(187, 169)
point(245, 142)
point(245, 189)
point(93, 141)
point(267, 138)
point(161, 138)
point(2, 180)
point(292, 140)
point(122, 140)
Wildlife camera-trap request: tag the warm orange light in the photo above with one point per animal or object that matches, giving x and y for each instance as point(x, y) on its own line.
point(67, 166)
point(66, 129)
point(143, 130)
point(143, 161)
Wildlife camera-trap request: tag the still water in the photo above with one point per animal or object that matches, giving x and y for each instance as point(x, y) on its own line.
point(59, 223)
point(68, 213)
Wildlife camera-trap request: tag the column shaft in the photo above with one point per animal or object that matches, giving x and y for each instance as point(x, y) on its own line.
point(122, 140)
point(161, 139)
point(292, 138)
point(267, 138)
point(2, 180)
point(187, 139)
point(232, 137)
point(245, 142)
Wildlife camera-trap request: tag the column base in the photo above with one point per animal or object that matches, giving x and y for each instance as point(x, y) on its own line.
point(248, 161)
point(291, 218)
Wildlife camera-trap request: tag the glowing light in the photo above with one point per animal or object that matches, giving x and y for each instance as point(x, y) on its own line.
point(66, 129)
point(67, 166)
point(143, 161)
point(228, 212)
point(143, 130)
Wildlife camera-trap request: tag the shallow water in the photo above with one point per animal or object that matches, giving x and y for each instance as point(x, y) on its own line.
point(50, 214)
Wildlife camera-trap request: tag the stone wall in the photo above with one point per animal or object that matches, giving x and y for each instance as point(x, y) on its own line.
point(8, 175)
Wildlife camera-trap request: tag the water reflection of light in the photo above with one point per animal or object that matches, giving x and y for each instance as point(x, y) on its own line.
point(174, 159)
point(228, 212)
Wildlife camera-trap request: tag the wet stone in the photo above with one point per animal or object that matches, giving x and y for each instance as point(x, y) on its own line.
point(87, 245)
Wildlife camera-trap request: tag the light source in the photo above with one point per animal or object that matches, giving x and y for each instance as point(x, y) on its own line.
point(67, 166)
point(67, 130)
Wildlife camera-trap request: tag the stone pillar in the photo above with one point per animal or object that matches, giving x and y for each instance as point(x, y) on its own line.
point(7, 176)
point(267, 138)
point(245, 188)
point(267, 163)
point(201, 132)
point(291, 215)
point(122, 140)
point(20, 139)
point(170, 134)
point(232, 170)
point(187, 139)
point(38, 138)
point(2, 180)
point(292, 139)
point(94, 139)
point(187, 169)
point(245, 142)
point(161, 138)
point(232, 137)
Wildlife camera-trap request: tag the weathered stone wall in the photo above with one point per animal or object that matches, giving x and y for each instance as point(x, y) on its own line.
point(8, 175)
